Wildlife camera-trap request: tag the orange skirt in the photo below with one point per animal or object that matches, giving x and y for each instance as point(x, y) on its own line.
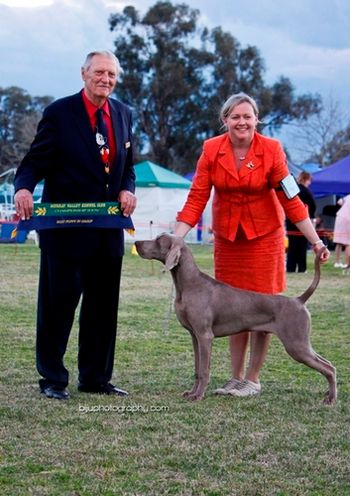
point(257, 264)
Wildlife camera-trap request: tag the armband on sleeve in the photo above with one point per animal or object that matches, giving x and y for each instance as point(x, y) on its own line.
point(289, 186)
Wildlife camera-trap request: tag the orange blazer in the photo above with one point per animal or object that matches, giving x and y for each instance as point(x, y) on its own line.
point(249, 197)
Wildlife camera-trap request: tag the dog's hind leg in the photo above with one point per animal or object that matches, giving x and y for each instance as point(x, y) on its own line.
point(332, 391)
point(317, 362)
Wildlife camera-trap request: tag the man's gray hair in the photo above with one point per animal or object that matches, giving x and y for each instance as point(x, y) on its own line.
point(235, 100)
point(104, 53)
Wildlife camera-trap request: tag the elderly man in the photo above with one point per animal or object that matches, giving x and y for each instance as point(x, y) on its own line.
point(83, 152)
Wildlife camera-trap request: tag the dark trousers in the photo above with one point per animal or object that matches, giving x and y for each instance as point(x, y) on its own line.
point(63, 281)
point(297, 253)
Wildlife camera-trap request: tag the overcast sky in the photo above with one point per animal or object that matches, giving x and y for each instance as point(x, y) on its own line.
point(43, 42)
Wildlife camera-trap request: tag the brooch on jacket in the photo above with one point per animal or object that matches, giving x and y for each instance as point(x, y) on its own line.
point(250, 165)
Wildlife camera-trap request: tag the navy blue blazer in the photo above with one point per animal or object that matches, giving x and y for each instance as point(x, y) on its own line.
point(64, 153)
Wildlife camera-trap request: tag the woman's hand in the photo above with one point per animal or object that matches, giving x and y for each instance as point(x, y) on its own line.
point(317, 247)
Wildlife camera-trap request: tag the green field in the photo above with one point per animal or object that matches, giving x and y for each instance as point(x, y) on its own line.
point(284, 442)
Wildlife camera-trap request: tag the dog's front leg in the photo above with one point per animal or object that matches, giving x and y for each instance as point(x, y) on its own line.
point(204, 344)
point(195, 352)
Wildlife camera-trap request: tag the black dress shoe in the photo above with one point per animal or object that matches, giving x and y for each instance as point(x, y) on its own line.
point(55, 392)
point(107, 388)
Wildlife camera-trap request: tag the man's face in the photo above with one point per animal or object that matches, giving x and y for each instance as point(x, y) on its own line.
point(100, 78)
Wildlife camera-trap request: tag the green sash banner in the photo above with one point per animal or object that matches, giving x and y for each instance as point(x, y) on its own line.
point(64, 215)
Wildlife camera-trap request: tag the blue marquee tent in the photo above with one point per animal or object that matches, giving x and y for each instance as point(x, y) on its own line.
point(333, 180)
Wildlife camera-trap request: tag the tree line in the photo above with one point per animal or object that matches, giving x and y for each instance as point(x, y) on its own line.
point(19, 116)
point(177, 74)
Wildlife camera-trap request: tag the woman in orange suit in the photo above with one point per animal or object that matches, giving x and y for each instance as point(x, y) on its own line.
point(245, 169)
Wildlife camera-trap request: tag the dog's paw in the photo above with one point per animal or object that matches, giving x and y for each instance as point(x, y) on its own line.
point(194, 397)
point(192, 391)
point(329, 399)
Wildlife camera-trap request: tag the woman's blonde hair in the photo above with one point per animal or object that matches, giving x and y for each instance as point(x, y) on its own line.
point(235, 100)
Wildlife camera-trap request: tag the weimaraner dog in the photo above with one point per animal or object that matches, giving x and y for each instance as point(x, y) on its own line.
point(208, 308)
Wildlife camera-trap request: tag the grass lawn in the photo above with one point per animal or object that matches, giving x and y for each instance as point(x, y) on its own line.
point(284, 442)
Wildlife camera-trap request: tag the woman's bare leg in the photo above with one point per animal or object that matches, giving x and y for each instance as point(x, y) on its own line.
point(259, 344)
point(238, 350)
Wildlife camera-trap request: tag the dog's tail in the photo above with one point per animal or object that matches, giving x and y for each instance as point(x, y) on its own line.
point(310, 290)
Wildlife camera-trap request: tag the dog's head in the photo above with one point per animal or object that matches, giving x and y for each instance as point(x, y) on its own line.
point(165, 248)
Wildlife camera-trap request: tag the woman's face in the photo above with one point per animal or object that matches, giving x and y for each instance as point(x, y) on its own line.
point(241, 123)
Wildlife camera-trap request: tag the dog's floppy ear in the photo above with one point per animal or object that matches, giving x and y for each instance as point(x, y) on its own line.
point(173, 257)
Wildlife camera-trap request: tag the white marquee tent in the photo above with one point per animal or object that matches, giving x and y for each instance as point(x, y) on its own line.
point(160, 194)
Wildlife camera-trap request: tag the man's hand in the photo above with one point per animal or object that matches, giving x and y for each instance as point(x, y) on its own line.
point(24, 204)
point(127, 202)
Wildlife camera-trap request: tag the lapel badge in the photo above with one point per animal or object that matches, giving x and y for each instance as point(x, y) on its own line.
point(250, 165)
point(100, 139)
